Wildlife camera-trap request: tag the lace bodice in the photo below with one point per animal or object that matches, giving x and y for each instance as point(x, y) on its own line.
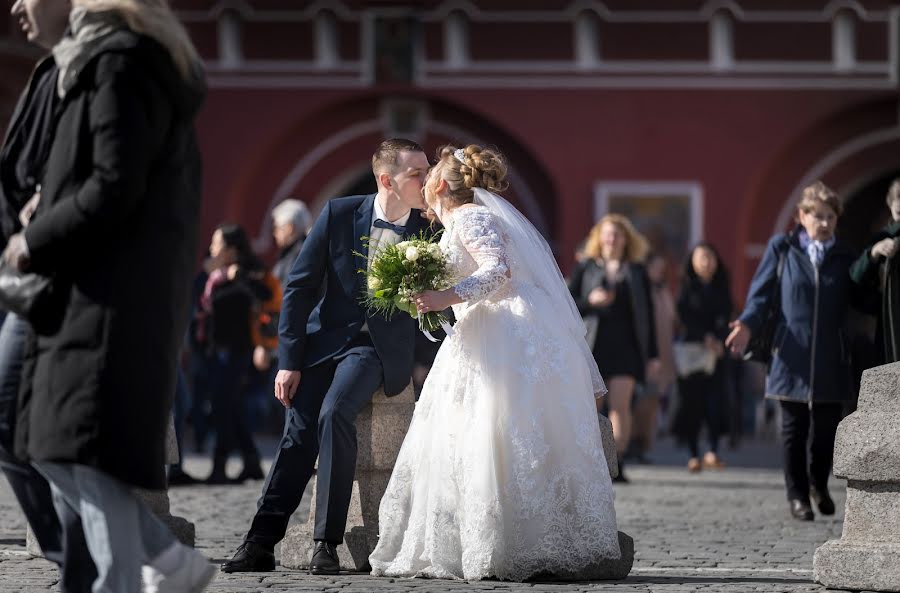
point(474, 243)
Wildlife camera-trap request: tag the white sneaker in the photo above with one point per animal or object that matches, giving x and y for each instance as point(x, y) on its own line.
point(193, 574)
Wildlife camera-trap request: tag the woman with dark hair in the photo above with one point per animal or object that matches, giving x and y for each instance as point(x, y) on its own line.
point(235, 285)
point(704, 310)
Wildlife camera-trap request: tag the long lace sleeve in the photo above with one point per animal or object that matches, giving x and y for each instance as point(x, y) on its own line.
point(480, 234)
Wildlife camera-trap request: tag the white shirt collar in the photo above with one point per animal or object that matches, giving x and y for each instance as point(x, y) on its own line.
point(377, 213)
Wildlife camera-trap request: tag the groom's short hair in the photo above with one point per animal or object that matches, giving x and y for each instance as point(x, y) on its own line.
point(387, 153)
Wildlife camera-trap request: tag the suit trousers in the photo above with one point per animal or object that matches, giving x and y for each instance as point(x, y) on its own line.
point(807, 435)
point(319, 423)
point(58, 532)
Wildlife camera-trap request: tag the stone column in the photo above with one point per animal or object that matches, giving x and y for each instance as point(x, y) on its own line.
point(380, 430)
point(867, 455)
point(157, 500)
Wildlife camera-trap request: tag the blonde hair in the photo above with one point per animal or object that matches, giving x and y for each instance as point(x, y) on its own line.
point(636, 246)
point(894, 192)
point(819, 193)
point(477, 168)
point(155, 19)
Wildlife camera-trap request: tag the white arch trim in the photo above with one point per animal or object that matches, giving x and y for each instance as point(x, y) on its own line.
point(831, 160)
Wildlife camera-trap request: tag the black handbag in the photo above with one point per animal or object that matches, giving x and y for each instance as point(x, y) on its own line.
point(759, 348)
point(33, 297)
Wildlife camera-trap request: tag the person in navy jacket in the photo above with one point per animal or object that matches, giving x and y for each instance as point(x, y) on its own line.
point(332, 357)
point(809, 373)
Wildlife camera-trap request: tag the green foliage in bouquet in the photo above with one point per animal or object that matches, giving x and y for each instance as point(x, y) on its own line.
point(399, 271)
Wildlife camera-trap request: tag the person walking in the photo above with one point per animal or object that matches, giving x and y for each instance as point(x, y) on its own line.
point(115, 230)
point(804, 279)
point(235, 286)
point(612, 292)
point(877, 272)
point(704, 310)
point(22, 156)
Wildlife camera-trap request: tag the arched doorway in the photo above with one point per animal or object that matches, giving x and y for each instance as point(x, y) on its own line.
point(331, 155)
point(865, 209)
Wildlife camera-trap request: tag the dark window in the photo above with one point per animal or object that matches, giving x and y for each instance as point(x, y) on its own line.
point(395, 42)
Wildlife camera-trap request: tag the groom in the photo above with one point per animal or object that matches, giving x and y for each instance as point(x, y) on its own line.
point(333, 356)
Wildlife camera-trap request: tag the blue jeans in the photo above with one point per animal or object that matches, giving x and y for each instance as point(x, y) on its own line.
point(59, 531)
point(121, 532)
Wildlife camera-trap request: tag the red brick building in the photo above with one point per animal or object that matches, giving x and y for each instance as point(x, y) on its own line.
point(701, 118)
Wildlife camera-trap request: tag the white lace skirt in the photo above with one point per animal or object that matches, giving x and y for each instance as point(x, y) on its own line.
point(502, 473)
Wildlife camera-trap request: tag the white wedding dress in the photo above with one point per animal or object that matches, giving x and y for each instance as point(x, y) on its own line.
point(502, 473)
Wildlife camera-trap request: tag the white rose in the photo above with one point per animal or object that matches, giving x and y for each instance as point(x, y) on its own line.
point(402, 245)
point(374, 283)
point(434, 249)
point(412, 254)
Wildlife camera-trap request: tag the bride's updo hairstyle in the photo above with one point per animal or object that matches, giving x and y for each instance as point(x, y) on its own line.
point(465, 169)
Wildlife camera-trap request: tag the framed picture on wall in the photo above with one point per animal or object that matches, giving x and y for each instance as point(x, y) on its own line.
point(668, 213)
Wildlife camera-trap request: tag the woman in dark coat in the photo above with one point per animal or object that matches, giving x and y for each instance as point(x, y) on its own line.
point(877, 272)
point(612, 292)
point(230, 298)
point(116, 229)
point(809, 373)
point(704, 310)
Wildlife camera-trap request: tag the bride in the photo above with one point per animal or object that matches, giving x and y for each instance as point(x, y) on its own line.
point(502, 473)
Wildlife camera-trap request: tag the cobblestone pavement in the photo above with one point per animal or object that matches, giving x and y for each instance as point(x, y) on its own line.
point(716, 531)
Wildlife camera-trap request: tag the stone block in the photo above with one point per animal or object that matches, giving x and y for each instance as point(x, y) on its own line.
point(872, 512)
point(867, 446)
point(857, 565)
point(607, 569)
point(867, 453)
point(609, 445)
point(880, 389)
point(380, 430)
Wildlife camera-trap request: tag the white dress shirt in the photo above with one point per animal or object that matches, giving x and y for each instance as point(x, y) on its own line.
point(380, 238)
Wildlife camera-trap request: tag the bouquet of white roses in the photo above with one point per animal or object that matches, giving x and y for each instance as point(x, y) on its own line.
point(399, 271)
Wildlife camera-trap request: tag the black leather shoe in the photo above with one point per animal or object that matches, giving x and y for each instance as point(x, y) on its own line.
point(250, 557)
point(801, 510)
point(822, 500)
point(325, 559)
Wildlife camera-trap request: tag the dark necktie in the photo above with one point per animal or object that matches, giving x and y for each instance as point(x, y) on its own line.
point(383, 224)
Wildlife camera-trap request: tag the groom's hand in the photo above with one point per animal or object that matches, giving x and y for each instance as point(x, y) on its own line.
point(286, 383)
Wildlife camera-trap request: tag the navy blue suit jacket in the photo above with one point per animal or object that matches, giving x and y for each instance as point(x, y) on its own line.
point(322, 311)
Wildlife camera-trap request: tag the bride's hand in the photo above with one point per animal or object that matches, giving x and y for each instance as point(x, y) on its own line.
point(435, 300)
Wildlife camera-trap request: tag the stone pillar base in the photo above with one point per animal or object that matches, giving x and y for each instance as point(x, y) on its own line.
point(867, 455)
point(359, 540)
point(873, 566)
point(158, 502)
point(381, 428)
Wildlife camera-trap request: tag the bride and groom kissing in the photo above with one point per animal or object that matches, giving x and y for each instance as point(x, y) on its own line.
point(502, 472)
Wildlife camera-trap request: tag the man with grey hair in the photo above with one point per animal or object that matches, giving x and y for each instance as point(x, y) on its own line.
point(291, 221)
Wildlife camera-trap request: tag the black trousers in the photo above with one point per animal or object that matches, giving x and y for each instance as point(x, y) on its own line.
point(320, 423)
point(60, 535)
point(808, 445)
point(229, 377)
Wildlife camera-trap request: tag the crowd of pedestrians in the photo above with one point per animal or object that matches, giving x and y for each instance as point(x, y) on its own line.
point(100, 197)
point(795, 320)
